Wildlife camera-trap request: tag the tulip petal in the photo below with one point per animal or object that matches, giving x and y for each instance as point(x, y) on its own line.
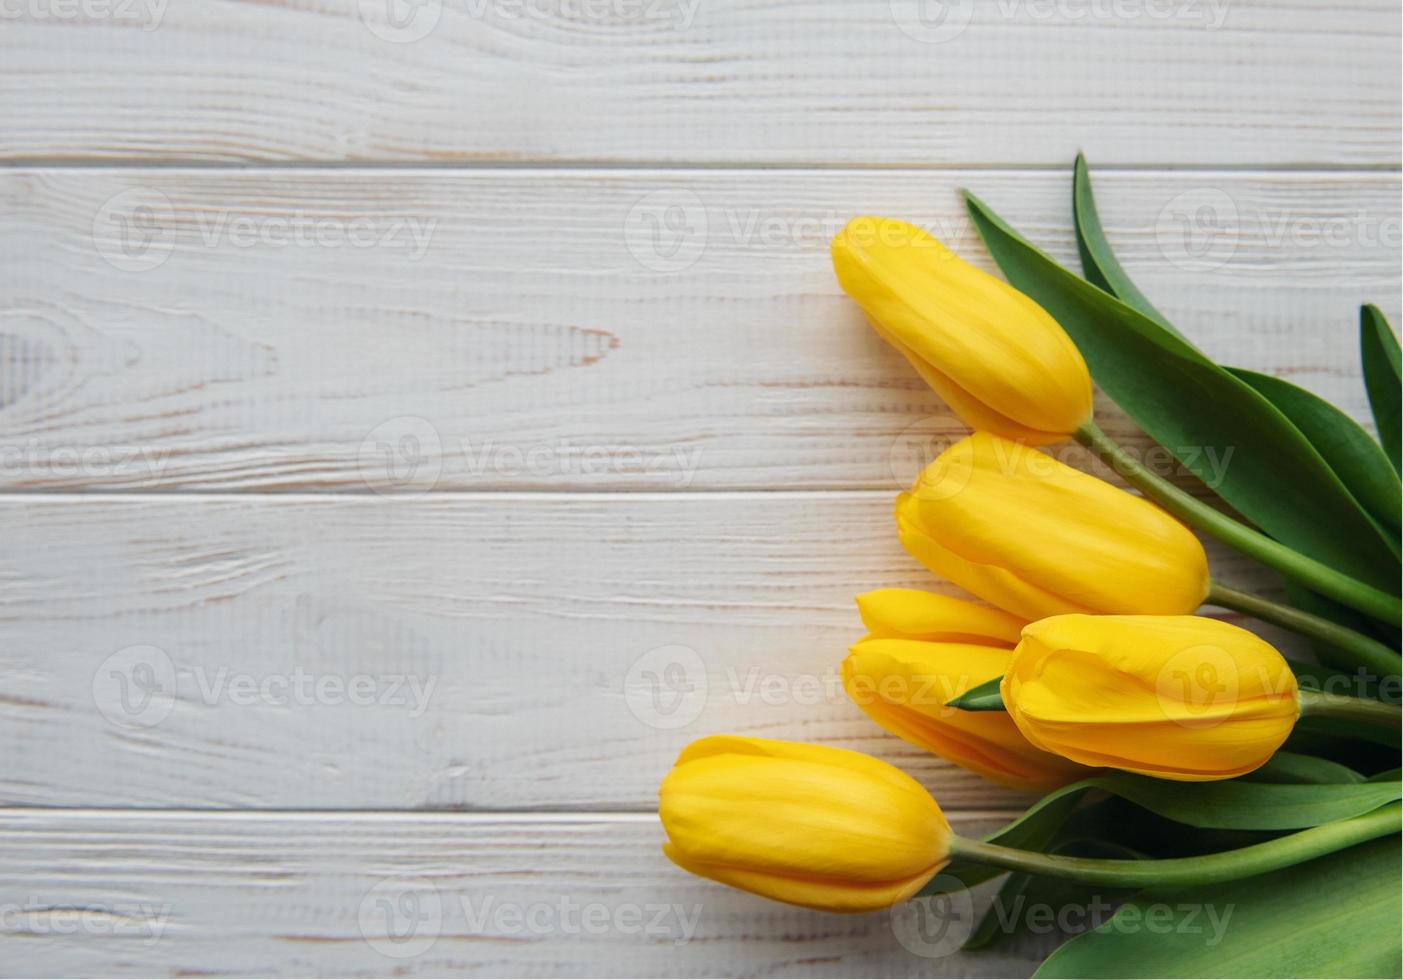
point(818, 755)
point(904, 686)
point(969, 409)
point(988, 581)
point(823, 894)
point(920, 615)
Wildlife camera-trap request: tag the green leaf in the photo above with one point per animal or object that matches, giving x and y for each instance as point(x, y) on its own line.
point(1293, 767)
point(1033, 831)
point(1365, 470)
point(1236, 804)
point(1361, 756)
point(1133, 826)
point(1336, 916)
point(1378, 348)
point(1355, 457)
point(1240, 804)
point(1317, 605)
point(1023, 896)
point(1098, 262)
point(1218, 426)
point(1040, 822)
point(1349, 728)
point(981, 697)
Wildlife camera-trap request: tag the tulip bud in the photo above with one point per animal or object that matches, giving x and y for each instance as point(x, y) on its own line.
point(1177, 697)
point(996, 357)
point(1039, 538)
point(904, 686)
point(809, 825)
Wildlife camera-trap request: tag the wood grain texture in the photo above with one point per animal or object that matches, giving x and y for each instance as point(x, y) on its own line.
point(189, 894)
point(329, 330)
point(488, 652)
point(328, 349)
point(730, 81)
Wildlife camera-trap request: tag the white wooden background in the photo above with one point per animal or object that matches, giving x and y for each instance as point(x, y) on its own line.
point(403, 398)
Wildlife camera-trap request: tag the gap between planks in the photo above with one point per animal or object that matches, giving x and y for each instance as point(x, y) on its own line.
point(685, 166)
point(310, 496)
point(400, 816)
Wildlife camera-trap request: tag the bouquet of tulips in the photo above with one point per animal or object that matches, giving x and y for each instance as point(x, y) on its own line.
point(1186, 762)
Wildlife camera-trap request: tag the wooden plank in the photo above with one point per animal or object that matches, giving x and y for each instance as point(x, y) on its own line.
point(730, 81)
point(353, 331)
point(489, 652)
point(149, 894)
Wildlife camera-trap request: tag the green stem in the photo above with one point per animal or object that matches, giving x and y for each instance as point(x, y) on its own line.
point(1365, 651)
point(1206, 869)
point(1318, 704)
point(1313, 574)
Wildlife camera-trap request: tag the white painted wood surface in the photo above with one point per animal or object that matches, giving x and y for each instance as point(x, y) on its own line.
point(193, 894)
point(487, 652)
point(714, 81)
point(538, 334)
point(507, 362)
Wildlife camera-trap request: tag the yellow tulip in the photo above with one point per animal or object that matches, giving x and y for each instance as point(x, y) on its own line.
point(1177, 697)
point(805, 824)
point(912, 614)
point(1038, 538)
point(996, 357)
point(904, 686)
